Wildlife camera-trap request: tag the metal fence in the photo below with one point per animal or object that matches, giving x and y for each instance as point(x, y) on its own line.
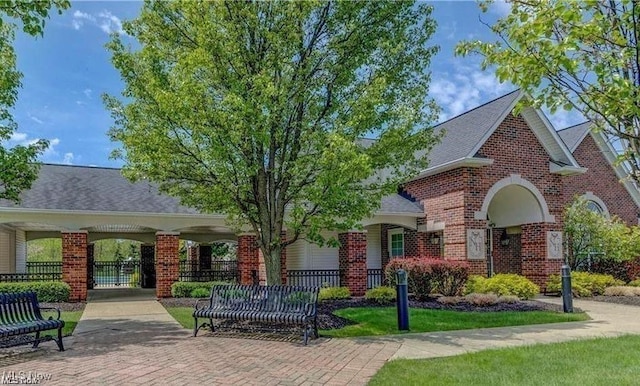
point(116, 274)
point(375, 278)
point(314, 278)
point(220, 270)
point(36, 271)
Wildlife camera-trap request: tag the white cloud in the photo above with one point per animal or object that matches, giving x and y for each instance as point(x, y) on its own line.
point(87, 92)
point(18, 137)
point(68, 159)
point(104, 20)
point(35, 119)
point(464, 89)
point(562, 119)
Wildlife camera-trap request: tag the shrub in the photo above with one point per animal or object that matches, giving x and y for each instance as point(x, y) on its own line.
point(474, 284)
point(505, 284)
point(381, 294)
point(450, 299)
point(427, 276)
point(183, 289)
point(134, 280)
point(482, 299)
point(200, 293)
point(634, 283)
point(333, 293)
point(584, 284)
point(47, 291)
point(622, 291)
point(509, 299)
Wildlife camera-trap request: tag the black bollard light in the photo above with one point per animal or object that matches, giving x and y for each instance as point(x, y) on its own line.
point(402, 300)
point(567, 296)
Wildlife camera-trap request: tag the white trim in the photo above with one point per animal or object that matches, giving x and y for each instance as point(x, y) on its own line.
point(515, 179)
point(563, 147)
point(394, 231)
point(469, 162)
point(589, 196)
point(565, 170)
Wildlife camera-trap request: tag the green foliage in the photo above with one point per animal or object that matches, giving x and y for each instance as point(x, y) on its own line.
point(245, 108)
point(18, 167)
point(183, 289)
point(334, 293)
point(381, 294)
point(200, 293)
point(634, 283)
point(427, 276)
point(573, 54)
point(584, 284)
point(47, 291)
point(503, 284)
point(134, 279)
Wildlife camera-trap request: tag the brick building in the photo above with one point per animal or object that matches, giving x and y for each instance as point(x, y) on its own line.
point(493, 195)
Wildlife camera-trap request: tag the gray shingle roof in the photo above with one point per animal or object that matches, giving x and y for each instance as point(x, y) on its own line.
point(82, 188)
point(572, 136)
point(465, 131)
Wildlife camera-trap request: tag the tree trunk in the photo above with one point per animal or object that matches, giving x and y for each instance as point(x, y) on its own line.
point(272, 265)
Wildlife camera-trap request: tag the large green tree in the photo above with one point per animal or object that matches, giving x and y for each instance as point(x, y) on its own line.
point(574, 54)
point(17, 164)
point(258, 109)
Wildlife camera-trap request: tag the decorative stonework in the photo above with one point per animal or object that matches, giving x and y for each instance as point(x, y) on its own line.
point(476, 244)
point(554, 245)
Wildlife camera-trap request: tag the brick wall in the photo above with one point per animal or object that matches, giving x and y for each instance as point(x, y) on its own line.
point(247, 257)
point(90, 260)
point(600, 179)
point(167, 262)
point(74, 264)
point(352, 256)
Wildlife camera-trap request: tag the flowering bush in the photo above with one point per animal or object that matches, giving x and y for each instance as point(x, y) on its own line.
point(427, 275)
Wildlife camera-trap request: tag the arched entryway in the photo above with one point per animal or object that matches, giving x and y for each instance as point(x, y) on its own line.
point(518, 219)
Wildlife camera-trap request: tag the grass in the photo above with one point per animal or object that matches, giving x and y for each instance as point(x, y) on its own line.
point(383, 321)
point(70, 318)
point(588, 362)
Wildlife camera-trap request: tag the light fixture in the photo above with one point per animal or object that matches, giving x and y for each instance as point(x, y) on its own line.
point(504, 239)
point(435, 240)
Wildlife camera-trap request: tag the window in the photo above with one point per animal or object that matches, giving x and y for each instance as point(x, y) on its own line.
point(594, 207)
point(396, 242)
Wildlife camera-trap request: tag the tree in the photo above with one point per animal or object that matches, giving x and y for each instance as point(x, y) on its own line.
point(575, 55)
point(257, 109)
point(17, 165)
point(591, 236)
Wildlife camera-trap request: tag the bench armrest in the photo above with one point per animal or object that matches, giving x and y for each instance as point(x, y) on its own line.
point(51, 309)
point(198, 301)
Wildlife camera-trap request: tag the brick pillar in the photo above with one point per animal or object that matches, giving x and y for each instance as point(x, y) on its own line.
point(193, 255)
point(167, 262)
point(535, 264)
point(353, 261)
point(283, 260)
point(90, 260)
point(74, 263)
point(247, 257)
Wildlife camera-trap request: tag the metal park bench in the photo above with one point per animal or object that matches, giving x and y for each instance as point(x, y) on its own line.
point(280, 305)
point(20, 315)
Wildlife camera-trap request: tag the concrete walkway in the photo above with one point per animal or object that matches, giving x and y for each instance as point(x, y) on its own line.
point(133, 340)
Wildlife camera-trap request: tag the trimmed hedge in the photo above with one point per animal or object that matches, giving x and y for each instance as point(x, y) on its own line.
point(381, 295)
point(184, 289)
point(503, 284)
point(428, 276)
point(584, 283)
point(47, 291)
point(333, 293)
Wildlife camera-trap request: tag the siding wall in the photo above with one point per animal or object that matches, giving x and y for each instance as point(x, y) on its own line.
point(21, 251)
point(7, 251)
point(374, 251)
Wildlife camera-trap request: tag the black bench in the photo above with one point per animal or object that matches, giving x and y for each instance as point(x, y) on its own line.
point(20, 315)
point(286, 305)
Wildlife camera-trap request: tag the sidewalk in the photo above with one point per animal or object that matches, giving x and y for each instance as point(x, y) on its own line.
point(135, 341)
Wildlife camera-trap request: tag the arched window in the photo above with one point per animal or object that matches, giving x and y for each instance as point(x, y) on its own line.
point(594, 207)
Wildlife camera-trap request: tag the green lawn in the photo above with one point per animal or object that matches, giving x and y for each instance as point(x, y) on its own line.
point(70, 318)
point(588, 362)
point(383, 321)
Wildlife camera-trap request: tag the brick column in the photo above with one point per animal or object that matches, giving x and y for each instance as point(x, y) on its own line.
point(90, 260)
point(167, 262)
point(247, 257)
point(74, 263)
point(193, 253)
point(283, 260)
point(535, 265)
point(353, 261)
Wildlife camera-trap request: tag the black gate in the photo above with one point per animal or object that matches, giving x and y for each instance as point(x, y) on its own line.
point(116, 274)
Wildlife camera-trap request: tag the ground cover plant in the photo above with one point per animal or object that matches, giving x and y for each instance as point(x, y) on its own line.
point(612, 361)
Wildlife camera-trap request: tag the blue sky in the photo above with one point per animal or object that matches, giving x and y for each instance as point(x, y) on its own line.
point(67, 71)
